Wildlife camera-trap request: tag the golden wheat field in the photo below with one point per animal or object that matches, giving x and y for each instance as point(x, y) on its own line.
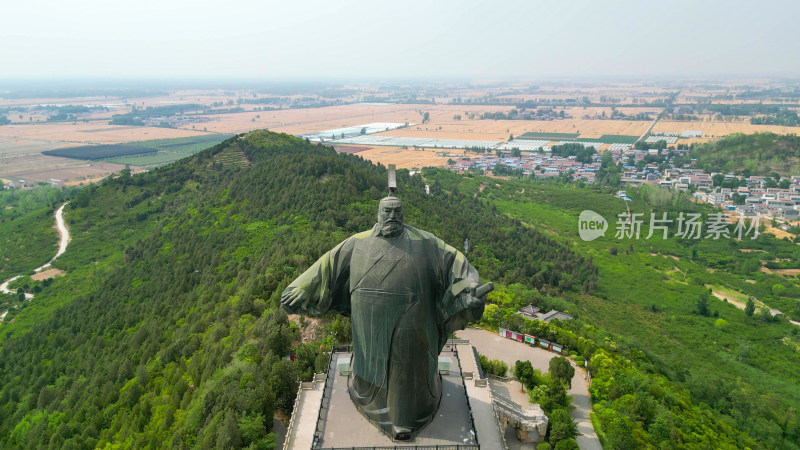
point(89, 133)
point(86, 181)
point(404, 158)
point(42, 168)
point(713, 130)
point(298, 121)
point(21, 147)
point(442, 122)
point(23, 160)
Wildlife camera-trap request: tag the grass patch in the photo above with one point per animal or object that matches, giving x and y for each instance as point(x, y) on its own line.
point(729, 293)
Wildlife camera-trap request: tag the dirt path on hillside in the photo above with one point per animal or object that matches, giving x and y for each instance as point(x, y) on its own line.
point(64, 238)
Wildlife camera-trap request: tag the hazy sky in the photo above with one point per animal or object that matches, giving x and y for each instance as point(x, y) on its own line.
point(419, 39)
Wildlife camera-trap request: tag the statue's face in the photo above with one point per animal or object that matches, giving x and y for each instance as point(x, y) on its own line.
point(390, 216)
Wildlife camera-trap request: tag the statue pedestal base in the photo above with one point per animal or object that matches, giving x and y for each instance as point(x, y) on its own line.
point(325, 417)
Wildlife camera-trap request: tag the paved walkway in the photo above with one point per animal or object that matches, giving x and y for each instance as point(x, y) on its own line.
point(305, 422)
point(4, 288)
point(480, 401)
point(495, 347)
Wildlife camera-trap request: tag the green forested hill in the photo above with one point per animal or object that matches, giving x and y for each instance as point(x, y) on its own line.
point(165, 331)
point(759, 154)
point(672, 365)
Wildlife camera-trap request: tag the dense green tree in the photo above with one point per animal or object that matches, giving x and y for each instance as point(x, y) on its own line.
point(620, 434)
point(752, 154)
point(341, 330)
point(561, 426)
point(701, 304)
point(493, 366)
point(567, 444)
point(582, 153)
point(523, 372)
point(550, 396)
point(562, 370)
point(750, 307)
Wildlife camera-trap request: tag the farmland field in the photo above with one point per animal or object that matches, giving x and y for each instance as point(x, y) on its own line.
point(605, 138)
point(40, 161)
point(403, 158)
point(553, 136)
point(442, 122)
point(169, 150)
point(449, 112)
point(144, 153)
point(90, 133)
point(95, 152)
point(721, 129)
point(611, 139)
point(23, 160)
point(32, 138)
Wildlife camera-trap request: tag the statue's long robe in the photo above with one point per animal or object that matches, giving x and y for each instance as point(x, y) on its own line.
point(405, 295)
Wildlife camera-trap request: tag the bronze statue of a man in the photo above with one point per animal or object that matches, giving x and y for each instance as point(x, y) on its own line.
point(406, 291)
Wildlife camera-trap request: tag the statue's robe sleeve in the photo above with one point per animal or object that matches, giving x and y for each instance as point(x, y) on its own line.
point(458, 278)
point(324, 286)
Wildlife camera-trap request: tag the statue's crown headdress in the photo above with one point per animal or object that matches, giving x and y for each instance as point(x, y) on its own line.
point(392, 180)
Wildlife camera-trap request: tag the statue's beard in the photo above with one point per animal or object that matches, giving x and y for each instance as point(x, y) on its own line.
point(391, 228)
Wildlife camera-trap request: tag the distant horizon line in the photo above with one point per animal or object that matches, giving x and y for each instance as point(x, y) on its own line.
point(105, 81)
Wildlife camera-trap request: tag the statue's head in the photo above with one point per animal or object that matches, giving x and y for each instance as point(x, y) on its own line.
point(390, 216)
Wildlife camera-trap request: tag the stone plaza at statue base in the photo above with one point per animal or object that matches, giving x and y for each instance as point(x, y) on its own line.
point(325, 417)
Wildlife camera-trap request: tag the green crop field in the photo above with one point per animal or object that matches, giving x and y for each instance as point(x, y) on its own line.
point(611, 139)
point(169, 150)
point(95, 152)
point(604, 139)
point(144, 153)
